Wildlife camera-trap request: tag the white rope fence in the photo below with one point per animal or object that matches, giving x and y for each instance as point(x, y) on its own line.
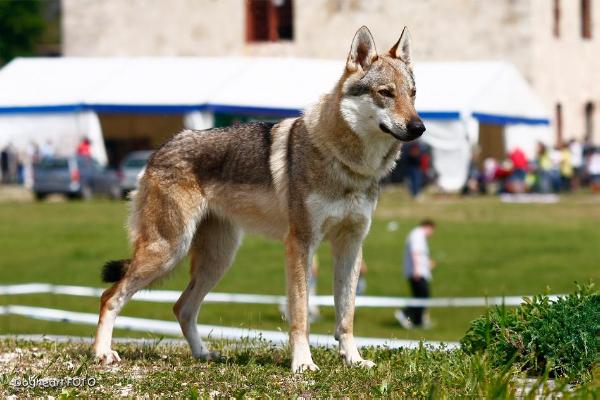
point(171, 296)
point(206, 331)
point(232, 333)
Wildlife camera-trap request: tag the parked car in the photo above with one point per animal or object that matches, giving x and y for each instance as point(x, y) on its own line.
point(75, 177)
point(130, 168)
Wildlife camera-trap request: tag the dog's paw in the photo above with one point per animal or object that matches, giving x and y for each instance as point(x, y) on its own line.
point(303, 367)
point(362, 363)
point(208, 356)
point(107, 357)
point(357, 361)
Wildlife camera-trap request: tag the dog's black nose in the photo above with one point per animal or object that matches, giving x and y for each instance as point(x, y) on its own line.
point(415, 127)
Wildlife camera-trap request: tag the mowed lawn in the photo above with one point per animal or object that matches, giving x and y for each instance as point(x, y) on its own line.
point(483, 247)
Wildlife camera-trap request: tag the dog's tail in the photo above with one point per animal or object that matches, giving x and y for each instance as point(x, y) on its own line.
point(114, 271)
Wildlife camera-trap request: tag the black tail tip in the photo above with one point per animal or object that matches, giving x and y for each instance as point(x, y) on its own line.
point(113, 271)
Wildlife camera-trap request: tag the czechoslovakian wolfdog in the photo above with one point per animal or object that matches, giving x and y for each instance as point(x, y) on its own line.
point(301, 180)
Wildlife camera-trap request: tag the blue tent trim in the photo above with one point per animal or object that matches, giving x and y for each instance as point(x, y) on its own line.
point(445, 115)
point(145, 108)
point(247, 110)
point(183, 108)
point(63, 108)
point(108, 108)
point(508, 119)
point(151, 109)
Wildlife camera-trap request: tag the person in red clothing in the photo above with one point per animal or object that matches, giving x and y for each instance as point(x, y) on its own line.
point(84, 148)
point(518, 159)
point(519, 170)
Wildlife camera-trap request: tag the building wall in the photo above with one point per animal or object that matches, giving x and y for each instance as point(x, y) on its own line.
point(442, 30)
point(518, 31)
point(567, 68)
point(93, 28)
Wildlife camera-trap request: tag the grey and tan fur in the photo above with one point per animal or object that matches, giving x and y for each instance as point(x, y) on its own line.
point(301, 180)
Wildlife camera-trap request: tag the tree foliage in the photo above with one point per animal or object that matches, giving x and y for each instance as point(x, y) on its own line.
point(21, 27)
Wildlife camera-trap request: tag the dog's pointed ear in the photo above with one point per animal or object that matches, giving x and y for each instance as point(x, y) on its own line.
point(362, 52)
point(401, 49)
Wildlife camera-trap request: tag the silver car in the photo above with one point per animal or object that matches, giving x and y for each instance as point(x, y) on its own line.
point(130, 168)
point(75, 177)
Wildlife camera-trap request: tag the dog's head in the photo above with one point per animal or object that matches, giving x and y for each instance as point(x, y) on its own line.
point(378, 94)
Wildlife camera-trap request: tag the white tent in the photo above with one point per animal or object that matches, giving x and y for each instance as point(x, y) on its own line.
point(59, 98)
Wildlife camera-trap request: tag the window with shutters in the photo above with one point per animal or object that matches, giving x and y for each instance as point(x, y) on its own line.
point(556, 19)
point(269, 20)
point(586, 19)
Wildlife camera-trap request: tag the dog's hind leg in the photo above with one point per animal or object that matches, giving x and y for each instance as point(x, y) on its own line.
point(212, 252)
point(146, 267)
point(164, 231)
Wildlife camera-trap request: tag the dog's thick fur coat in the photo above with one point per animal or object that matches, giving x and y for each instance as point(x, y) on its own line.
point(301, 180)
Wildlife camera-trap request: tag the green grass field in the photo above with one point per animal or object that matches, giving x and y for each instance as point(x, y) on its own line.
point(483, 247)
point(262, 371)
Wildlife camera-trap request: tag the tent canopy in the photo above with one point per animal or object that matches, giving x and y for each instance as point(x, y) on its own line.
point(492, 92)
point(57, 99)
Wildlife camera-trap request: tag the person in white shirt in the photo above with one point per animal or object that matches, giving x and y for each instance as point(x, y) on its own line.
point(417, 270)
point(577, 162)
point(593, 169)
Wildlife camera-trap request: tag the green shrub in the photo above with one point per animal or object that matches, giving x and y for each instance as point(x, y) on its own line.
point(560, 338)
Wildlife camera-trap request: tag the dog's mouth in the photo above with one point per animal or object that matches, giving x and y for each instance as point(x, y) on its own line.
point(387, 130)
point(406, 137)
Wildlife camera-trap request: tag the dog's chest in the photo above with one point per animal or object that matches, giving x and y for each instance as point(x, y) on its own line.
point(349, 212)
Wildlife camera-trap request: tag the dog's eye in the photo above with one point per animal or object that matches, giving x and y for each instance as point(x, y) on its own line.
point(413, 93)
point(386, 93)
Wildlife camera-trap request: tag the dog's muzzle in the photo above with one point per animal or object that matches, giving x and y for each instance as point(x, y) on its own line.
point(414, 129)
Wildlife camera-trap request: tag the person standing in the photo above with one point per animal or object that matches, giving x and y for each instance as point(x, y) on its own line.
point(9, 161)
point(417, 270)
point(47, 150)
point(565, 168)
point(544, 167)
point(414, 170)
point(576, 149)
point(593, 169)
point(361, 285)
point(519, 171)
point(84, 149)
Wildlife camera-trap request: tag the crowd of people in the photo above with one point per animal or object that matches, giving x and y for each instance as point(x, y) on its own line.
point(16, 165)
point(559, 169)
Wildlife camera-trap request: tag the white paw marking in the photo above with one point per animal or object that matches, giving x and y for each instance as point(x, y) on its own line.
point(362, 363)
point(303, 367)
point(208, 356)
point(356, 360)
point(107, 357)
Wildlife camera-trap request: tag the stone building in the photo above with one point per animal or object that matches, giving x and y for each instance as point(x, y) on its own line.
point(554, 43)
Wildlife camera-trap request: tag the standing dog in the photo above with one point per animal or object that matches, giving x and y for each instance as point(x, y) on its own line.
point(301, 180)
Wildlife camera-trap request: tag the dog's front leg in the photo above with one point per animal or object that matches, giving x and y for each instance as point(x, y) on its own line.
point(347, 255)
point(298, 254)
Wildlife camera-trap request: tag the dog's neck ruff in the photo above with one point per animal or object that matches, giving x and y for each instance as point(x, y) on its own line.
point(360, 169)
point(330, 132)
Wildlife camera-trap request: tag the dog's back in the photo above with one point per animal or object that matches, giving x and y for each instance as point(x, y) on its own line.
point(238, 154)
